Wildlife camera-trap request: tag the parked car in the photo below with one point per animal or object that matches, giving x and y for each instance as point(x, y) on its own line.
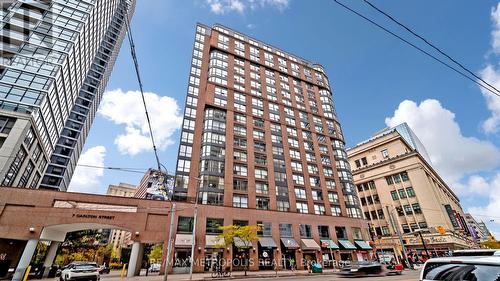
point(476, 252)
point(154, 267)
point(462, 268)
point(80, 271)
point(362, 268)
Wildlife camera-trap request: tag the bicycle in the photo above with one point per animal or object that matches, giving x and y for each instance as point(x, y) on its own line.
point(219, 273)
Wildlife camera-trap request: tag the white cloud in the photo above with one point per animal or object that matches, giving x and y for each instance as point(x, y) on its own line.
point(491, 74)
point(87, 179)
point(490, 211)
point(452, 154)
point(221, 7)
point(495, 33)
point(126, 108)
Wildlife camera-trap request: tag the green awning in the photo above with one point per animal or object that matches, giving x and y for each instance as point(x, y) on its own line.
point(362, 245)
point(329, 244)
point(346, 245)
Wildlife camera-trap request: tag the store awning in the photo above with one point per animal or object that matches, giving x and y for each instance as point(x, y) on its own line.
point(211, 241)
point(289, 243)
point(362, 245)
point(309, 245)
point(329, 244)
point(267, 242)
point(183, 240)
point(240, 243)
point(346, 245)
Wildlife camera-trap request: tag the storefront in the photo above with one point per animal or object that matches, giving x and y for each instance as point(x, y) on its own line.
point(241, 253)
point(363, 250)
point(213, 254)
point(266, 253)
point(182, 253)
point(327, 250)
point(309, 248)
point(288, 248)
point(346, 250)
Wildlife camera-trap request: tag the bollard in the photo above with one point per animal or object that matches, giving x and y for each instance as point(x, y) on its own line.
point(123, 270)
point(27, 273)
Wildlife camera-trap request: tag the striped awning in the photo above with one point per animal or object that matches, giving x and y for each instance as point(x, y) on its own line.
point(362, 245)
point(309, 245)
point(329, 244)
point(346, 245)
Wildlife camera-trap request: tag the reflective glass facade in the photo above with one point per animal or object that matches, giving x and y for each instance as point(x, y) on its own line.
point(56, 58)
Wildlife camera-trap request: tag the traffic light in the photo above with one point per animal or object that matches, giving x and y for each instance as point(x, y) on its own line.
point(441, 230)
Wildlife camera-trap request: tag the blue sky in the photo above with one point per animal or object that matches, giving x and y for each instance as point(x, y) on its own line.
point(377, 81)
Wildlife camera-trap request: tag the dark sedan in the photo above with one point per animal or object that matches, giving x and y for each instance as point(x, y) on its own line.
point(363, 268)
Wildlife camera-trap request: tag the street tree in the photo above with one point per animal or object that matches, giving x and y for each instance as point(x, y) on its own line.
point(244, 234)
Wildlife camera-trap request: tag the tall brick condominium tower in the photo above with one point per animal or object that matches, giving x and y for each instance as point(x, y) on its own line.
point(261, 144)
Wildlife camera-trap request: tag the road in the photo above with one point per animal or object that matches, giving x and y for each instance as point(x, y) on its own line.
point(406, 276)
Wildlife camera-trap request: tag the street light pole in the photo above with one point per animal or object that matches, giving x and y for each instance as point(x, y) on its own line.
point(396, 228)
point(170, 238)
point(195, 217)
point(423, 243)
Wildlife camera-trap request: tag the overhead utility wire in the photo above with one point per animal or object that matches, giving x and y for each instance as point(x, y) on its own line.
point(416, 47)
point(431, 45)
point(139, 80)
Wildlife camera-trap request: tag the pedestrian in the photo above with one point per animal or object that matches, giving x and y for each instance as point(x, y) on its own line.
point(292, 264)
point(309, 269)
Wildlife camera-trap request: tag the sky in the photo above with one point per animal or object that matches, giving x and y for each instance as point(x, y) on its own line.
point(377, 81)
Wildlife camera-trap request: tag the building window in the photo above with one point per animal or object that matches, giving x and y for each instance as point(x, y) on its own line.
point(213, 226)
point(260, 174)
point(241, 185)
point(333, 197)
point(14, 167)
point(410, 191)
point(323, 231)
point(262, 203)
point(336, 211)
point(305, 231)
point(261, 188)
point(317, 195)
point(341, 232)
point(300, 193)
point(240, 201)
point(240, 170)
point(354, 213)
point(408, 209)
point(302, 208)
point(394, 195)
point(185, 225)
point(319, 209)
point(265, 228)
point(385, 153)
point(416, 208)
point(404, 176)
point(6, 124)
point(283, 206)
point(402, 193)
point(356, 233)
point(364, 161)
point(406, 228)
point(286, 230)
point(422, 224)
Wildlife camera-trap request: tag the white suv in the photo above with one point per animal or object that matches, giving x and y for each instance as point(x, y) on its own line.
point(80, 271)
point(468, 268)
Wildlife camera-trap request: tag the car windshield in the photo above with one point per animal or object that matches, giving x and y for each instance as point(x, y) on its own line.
point(467, 272)
point(85, 266)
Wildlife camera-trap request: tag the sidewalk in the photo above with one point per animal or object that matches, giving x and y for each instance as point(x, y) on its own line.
point(234, 275)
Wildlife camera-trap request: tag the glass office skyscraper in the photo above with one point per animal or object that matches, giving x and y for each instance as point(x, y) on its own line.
point(56, 58)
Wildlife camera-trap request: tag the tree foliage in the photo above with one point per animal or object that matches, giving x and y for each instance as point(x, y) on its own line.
point(246, 233)
point(156, 253)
